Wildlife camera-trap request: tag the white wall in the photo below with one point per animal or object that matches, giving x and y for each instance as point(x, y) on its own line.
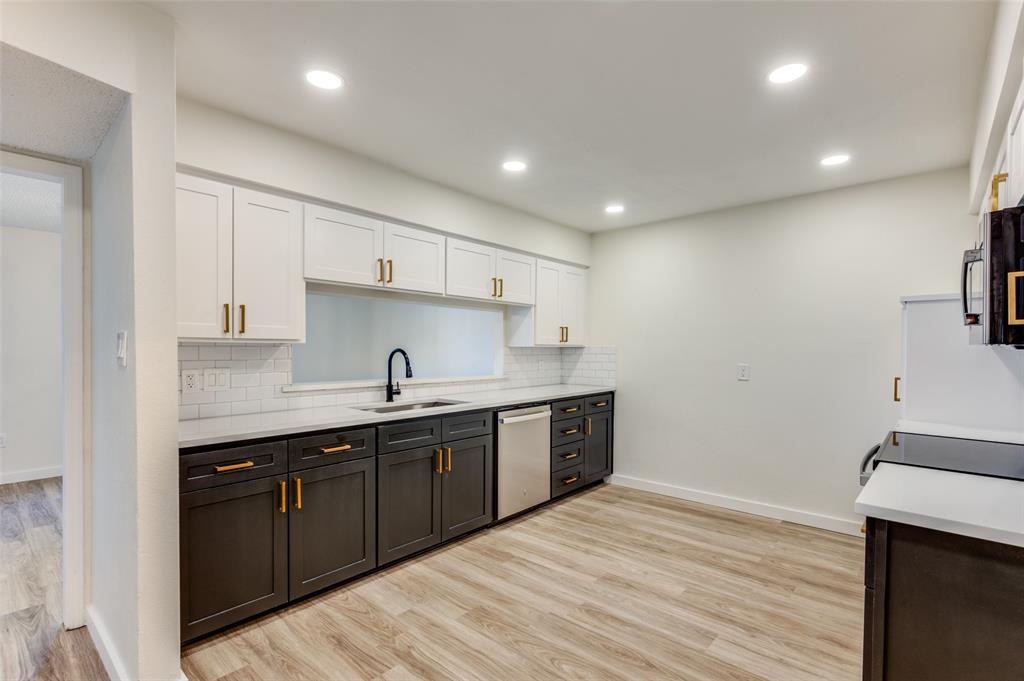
point(806, 290)
point(219, 142)
point(133, 612)
point(30, 380)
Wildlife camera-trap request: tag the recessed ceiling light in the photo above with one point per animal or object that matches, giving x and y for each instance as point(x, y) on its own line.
point(835, 160)
point(614, 208)
point(324, 80)
point(514, 166)
point(787, 73)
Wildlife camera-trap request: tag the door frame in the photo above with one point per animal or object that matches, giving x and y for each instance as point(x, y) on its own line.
point(75, 309)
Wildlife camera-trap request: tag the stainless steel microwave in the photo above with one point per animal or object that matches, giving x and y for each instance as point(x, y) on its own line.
point(997, 314)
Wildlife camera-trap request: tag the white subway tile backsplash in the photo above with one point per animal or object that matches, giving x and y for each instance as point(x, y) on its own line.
point(274, 378)
point(245, 352)
point(246, 407)
point(209, 411)
point(188, 352)
point(276, 404)
point(214, 352)
point(244, 380)
point(188, 411)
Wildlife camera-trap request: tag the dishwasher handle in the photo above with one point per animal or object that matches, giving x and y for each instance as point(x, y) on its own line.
point(523, 419)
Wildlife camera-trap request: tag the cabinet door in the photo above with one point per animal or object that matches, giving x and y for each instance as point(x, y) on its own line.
point(547, 313)
point(408, 502)
point(203, 227)
point(516, 277)
point(573, 291)
point(1015, 154)
point(343, 247)
point(470, 270)
point(414, 259)
point(331, 525)
point(268, 268)
point(597, 449)
point(233, 554)
point(466, 495)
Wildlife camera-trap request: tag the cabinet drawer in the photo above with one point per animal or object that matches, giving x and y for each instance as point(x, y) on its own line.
point(565, 431)
point(237, 464)
point(566, 456)
point(566, 409)
point(598, 404)
point(461, 426)
point(563, 482)
point(320, 450)
point(395, 437)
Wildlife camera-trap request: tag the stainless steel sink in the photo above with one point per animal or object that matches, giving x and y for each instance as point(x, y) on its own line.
point(408, 406)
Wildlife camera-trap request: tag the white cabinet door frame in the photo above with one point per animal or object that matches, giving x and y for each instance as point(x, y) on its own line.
point(414, 259)
point(547, 313)
point(572, 290)
point(204, 256)
point(470, 270)
point(517, 276)
point(343, 247)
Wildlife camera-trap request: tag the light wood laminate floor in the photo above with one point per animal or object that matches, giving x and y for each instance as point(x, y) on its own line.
point(33, 643)
point(611, 584)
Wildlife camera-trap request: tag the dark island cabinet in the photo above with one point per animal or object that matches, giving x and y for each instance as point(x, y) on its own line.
point(597, 449)
point(233, 553)
point(466, 486)
point(331, 525)
point(408, 502)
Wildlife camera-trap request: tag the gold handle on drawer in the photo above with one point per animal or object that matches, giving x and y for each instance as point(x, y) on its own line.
point(566, 457)
point(494, 287)
point(380, 270)
point(334, 450)
point(391, 271)
point(298, 493)
point(1011, 298)
point(600, 404)
point(284, 496)
point(227, 318)
point(234, 467)
point(896, 389)
point(565, 334)
point(590, 426)
point(440, 466)
point(570, 410)
point(448, 466)
point(501, 287)
point(996, 180)
point(241, 309)
point(570, 431)
point(570, 480)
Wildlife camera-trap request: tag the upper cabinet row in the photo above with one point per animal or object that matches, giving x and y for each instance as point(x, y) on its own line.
point(244, 258)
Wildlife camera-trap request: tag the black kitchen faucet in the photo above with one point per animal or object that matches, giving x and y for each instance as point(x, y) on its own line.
point(393, 390)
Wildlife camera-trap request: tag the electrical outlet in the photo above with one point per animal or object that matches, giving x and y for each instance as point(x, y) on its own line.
point(216, 379)
point(742, 372)
point(191, 381)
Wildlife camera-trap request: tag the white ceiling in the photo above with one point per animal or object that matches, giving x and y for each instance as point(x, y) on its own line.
point(49, 109)
point(662, 106)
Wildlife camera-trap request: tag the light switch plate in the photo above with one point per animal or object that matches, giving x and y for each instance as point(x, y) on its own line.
point(742, 372)
point(216, 379)
point(192, 381)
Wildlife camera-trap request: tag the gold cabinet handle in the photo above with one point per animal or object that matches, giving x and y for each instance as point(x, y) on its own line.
point(570, 410)
point(570, 480)
point(590, 426)
point(501, 287)
point(298, 493)
point(1011, 298)
point(570, 431)
point(227, 318)
point(234, 467)
point(494, 287)
point(284, 496)
point(996, 180)
point(334, 450)
point(440, 467)
point(241, 309)
point(600, 404)
point(448, 466)
point(896, 389)
point(566, 457)
point(567, 334)
point(391, 271)
point(380, 270)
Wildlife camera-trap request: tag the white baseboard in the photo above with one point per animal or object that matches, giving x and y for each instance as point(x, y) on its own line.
point(825, 522)
point(100, 635)
point(31, 474)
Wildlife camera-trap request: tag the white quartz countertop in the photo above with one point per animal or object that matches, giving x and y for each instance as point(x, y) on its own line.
point(225, 429)
point(971, 505)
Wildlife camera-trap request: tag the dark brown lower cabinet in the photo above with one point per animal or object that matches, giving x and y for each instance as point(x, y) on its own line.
point(466, 486)
point(233, 553)
point(331, 525)
point(941, 606)
point(597, 451)
point(408, 502)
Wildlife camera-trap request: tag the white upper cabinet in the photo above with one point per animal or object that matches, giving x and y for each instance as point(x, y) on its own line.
point(414, 259)
point(548, 309)
point(343, 247)
point(516, 275)
point(559, 315)
point(203, 210)
point(572, 287)
point(270, 292)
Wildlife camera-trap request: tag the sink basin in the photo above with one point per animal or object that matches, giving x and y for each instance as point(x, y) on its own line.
point(408, 406)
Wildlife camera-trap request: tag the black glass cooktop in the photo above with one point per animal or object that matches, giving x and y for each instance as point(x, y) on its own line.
point(979, 457)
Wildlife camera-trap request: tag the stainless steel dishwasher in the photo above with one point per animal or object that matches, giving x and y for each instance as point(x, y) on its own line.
point(524, 458)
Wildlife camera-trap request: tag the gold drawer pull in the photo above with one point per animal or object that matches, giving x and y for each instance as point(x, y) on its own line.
point(391, 271)
point(569, 410)
point(570, 431)
point(501, 287)
point(1011, 298)
point(448, 466)
point(234, 467)
point(298, 493)
point(566, 457)
point(380, 268)
point(334, 450)
point(494, 287)
point(241, 309)
point(590, 426)
point(569, 481)
point(440, 456)
point(600, 404)
point(284, 496)
point(896, 389)
point(227, 318)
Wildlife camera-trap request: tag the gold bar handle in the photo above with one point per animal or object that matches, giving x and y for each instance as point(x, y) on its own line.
point(590, 426)
point(567, 334)
point(494, 287)
point(896, 389)
point(241, 309)
point(570, 431)
point(600, 404)
point(284, 496)
point(234, 467)
point(448, 466)
point(298, 493)
point(334, 450)
point(566, 457)
point(1011, 298)
point(391, 271)
point(440, 466)
point(570, 410)
point(380, 270)
point(570, 480)
point(996, 180)
point(501, 287)
point(227, 318)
